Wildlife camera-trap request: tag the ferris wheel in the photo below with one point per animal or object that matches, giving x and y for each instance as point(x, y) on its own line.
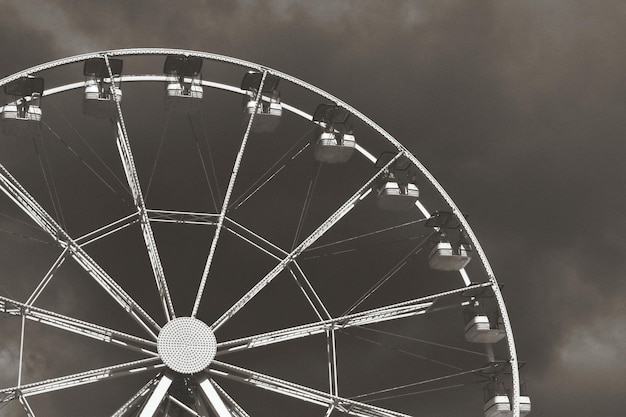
point(190, 234)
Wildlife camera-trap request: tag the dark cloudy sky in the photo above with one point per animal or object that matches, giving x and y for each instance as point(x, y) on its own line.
point(518, 108)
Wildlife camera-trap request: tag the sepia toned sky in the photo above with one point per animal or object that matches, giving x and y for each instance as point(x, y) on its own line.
point(517, 108)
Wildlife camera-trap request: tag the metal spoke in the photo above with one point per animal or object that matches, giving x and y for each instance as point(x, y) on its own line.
point(107, 229)
point(391, 312)
point(213, 398)
point(136, 399)
point(26, 406)
point(156, 397)
point(46, 279)
point(123, 146)
point(306, 287)
point(296, 332)
point(182, 217)
point(225, 203)
point(14, 190)
point(83, 378)
point(235, 408)
point(278, 253)
point(300, 392)
point(83, 328)
point(323, 228)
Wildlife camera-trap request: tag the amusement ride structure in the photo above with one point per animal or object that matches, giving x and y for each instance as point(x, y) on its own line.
point(263, 247)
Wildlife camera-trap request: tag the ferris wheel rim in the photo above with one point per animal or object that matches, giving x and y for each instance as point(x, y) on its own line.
point(401, 149)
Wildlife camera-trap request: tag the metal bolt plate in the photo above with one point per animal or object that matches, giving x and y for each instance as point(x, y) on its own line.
point(186, 345)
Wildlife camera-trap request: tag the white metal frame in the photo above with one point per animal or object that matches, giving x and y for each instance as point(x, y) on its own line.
point(153, 393)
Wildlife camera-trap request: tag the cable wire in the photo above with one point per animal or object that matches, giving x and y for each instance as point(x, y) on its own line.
point(156, 160)
point(90, 148)
point(89, 167)
point(206, 174)
point(425, 341)
point(365, 235)
point(307, 203)
point(260, 182)
point(208, 145)
point(54, 197)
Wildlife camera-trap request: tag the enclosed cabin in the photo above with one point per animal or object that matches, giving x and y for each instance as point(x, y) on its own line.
point(396, 188)
point(498, 399)
point(269, 110)
point(22, 117)
point(446, 255)
point(102, 87)
point(335, 143)
point(184, 83)
point(482, 325)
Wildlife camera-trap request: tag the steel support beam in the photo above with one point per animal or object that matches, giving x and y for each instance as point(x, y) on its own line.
point(80, 327)
point(225, 203)
point(234, 408)
point(213, 398)
point(136, 400)
point(319, 232)
point(156, 397)
point(14, 190)
point(378, 315)
point(126, 156)
point(299, 392)
point(82, 378)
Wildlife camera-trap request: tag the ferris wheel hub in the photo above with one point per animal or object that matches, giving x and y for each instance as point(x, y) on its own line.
point(186, 345)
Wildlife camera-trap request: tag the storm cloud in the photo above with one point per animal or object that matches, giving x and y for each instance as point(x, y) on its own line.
point(517, 108)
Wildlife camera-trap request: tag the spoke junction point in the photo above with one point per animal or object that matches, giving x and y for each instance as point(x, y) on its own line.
point(186, 345)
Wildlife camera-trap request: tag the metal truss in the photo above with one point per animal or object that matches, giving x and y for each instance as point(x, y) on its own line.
point(72, 325)
point(126, 156)
point(78, 379)
point(225, 203)
point(319, 232)
point(12, 188)
point(151, 399)
point(378, 315)
point(300, 392)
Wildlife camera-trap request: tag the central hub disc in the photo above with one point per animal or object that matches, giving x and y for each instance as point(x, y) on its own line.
point(186, 345)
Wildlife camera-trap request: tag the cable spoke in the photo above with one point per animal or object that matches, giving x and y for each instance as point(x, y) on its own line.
point(82, 160)
point(126, 156)
point(414, 339)
point(156, 159)
point(50, 185)
point(271, 172)
point(229, 191)
point(93, 151)
point(403, 351)
point(107, 229)
point(14, 190)
point(300, 392)
point(83, 378)
point(204, 165)
point(376, 232)
point(83, 328)
point(307, 202)
point(182, 217)
point(323, 228)
point(397, 267)
point(46, 279)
